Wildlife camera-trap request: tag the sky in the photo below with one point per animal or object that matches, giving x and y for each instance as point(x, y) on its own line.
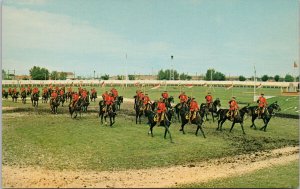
point(116, 37)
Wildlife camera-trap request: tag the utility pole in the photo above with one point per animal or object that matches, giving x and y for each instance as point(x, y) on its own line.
point(94, 74)
point(172, 77)
point(254, 92)
point(126, 74)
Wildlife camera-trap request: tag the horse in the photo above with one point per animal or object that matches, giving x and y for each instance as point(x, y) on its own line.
point(238, 118)
point(168, 101)
point(69, 96)
point(35, 99)
point(85, 103)
point(139, 111)
point(76, 108)
point(54, 103)
point(62, 99)
point(15, 96)
point(93, 96)
point(119, 101)
point(23, 97)
point(5, 94)
point(198, 120)
point(110, 111)
point(213, 109)
point(45, 97)
point(266, 116)
point(166, 122)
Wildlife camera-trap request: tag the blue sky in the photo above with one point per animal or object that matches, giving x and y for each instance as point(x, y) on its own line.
point(81, 36)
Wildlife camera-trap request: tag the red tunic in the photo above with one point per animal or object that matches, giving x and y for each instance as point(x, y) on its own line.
point(114, 92)
point(54, 95)
point(61, 92)
point(161, 107)
point(146, 100)
point(83, 94)
point(194, 106)
point(233, 105)
point(75, 97)
point(109, 100)
point(262, 102)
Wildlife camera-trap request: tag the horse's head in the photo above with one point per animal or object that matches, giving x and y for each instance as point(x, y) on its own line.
point(217, 102)
point(246, 109)
point(275, 106)
point(171, 99)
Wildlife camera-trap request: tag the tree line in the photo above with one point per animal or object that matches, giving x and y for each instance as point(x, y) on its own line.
point(38, 73)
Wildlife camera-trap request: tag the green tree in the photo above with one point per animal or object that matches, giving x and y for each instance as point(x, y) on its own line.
point(276, 78)
point(242, 78)
point(288, 78)
point(209, 74)
point(165, 75)
point(63, 75)
point(219, 76)
point(54, 75)
point(38, 73)
point(131, 77)
point(265, 78)
point(105, 77)
point(184, 76)
point(3, 74)
point(119, 77)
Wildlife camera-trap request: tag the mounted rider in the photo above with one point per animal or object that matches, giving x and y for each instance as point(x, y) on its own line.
point(109, 100)
point(209, 100)
point(9, 91)
point(165, 96)
point(75, 98)
point(161, 109)
point(233, 108)
point(54, 95)
point(84, 94)
point(114, 93)
point(183, 99)
point(28, 90)
point(23, 89)
point(262, 104)
point(194, 107)
point(147, 101)
point(35, 91)
point(104, 95)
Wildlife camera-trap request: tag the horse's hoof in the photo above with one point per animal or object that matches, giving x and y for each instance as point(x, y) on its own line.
point(180, 129)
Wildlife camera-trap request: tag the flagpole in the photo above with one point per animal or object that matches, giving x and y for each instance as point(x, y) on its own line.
point(126, 76)
point(254, 92)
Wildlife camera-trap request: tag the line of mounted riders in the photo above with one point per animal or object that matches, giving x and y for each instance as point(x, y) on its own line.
point(160, 112)
point(79, 101)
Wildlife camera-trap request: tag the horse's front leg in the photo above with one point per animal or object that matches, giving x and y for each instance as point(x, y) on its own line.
point(253, 124)
point(200, 127)
point(232, 126)
point(182, 127)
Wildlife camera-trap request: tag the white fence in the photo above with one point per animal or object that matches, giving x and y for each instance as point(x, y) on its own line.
point(146, 82)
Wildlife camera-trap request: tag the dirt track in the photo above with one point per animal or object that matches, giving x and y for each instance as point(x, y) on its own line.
point(156, 177)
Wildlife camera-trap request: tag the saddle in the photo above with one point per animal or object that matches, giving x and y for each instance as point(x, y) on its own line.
point(235, 114)
point(191, 116)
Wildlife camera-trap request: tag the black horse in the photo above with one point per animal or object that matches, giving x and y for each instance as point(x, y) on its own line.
point(15, 96)
point(35, 99)
point(166, 122)
point(119, 101)
point(139, 111)
point(213, 109)
point(62, 99)
point(266, 116)
point(239, 118)
point(168, 102)
point(104, 112)
point(85, 103)
point(5, 94)
point(69, 96)
point(198, 120)
point(93, 97)
point(45, 97)
point(54, 103)
point(76, 108)
point(23, 97)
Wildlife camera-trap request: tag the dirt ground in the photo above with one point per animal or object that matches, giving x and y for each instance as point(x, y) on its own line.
point(155, 177)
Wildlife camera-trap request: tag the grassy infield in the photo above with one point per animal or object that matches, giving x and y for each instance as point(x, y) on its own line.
point(59, 142)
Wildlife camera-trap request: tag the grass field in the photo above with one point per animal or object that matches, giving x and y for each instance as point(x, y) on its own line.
point(59, 142)
point(286, 176)
point(37, 138)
